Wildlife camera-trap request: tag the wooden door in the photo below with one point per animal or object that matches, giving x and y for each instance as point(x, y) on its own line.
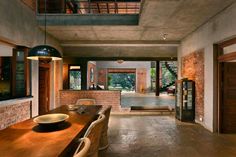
point(44, 79)
point(228, 106)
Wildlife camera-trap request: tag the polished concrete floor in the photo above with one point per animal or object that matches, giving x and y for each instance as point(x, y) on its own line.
point(163, 136)
point(149, 99)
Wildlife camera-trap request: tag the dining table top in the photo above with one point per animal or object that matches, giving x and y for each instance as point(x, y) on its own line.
point(28, 139)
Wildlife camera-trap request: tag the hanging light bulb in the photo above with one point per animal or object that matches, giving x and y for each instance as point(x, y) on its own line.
point(44, 52)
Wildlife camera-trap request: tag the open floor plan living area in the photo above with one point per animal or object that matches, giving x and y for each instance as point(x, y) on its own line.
point(117, 78)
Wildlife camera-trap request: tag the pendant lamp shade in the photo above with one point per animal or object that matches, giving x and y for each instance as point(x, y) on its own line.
point(44, 52)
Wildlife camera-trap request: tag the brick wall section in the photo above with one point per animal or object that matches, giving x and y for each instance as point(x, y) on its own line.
point(193, 69)
point(102, 97)
point(11, 114)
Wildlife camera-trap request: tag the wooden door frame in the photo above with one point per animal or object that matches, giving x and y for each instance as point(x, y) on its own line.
point(219, 59)
point(46, 66)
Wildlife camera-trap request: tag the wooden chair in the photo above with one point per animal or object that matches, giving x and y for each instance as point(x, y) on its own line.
point(104, 138)
point(94, 134)
point(83, 148)
point(86, 102)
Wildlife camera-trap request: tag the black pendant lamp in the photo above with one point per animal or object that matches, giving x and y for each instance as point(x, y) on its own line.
point(44, 52)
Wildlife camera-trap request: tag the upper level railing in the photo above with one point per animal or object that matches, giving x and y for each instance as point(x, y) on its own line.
point(89, 6)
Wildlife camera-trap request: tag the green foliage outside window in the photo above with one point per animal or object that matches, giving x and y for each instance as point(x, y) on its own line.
point(121, 81)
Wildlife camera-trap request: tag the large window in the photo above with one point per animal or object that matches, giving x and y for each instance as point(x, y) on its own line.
point(121, 81)
point(14, 75)
point(75, 77)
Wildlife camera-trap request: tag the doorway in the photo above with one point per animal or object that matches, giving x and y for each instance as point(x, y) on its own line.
point(44, 88)
point(225, 111)
point(228, 107)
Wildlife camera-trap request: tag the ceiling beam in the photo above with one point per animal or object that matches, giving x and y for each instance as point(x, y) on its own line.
point(119, 43)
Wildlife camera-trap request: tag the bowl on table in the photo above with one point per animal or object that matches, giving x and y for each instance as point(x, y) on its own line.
point(50, 119)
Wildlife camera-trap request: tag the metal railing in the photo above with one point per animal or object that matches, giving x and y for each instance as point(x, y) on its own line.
point(89, 6)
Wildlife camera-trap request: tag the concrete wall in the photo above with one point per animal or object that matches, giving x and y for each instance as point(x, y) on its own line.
point(5, 49)
point(18, 26)
point(128, 64)
point(219, 28)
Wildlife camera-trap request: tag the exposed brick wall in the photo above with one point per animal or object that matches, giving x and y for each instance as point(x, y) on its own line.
point(11, 114)
point(102, 97)
point(193, 69)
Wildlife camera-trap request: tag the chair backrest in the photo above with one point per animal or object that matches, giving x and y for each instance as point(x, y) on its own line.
point(106, 111)
point(94, 134)
point(86, 102)
point(104, 138)
point(83, 148)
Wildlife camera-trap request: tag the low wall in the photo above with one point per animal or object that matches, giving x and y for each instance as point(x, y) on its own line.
point(14, 111)
point(102, 97)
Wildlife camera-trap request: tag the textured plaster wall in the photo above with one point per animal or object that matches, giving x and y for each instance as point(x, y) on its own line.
point(219, 28)
point(5, 49)
point(18, 26)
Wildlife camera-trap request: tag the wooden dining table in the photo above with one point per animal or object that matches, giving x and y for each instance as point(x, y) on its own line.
point(28, 139)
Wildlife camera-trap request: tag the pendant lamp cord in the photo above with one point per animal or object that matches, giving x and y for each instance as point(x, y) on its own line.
point(45, 21)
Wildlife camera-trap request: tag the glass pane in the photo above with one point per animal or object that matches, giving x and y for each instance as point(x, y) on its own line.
point(20, 74)
point(5, 78)
point(75, 79)
point(121, 81)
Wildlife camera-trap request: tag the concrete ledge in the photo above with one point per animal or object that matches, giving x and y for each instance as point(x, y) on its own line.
point(140, 113)
point(77, 19)
point(10, 102)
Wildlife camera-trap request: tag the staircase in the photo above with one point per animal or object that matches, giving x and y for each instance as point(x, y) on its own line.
point(172, 68)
